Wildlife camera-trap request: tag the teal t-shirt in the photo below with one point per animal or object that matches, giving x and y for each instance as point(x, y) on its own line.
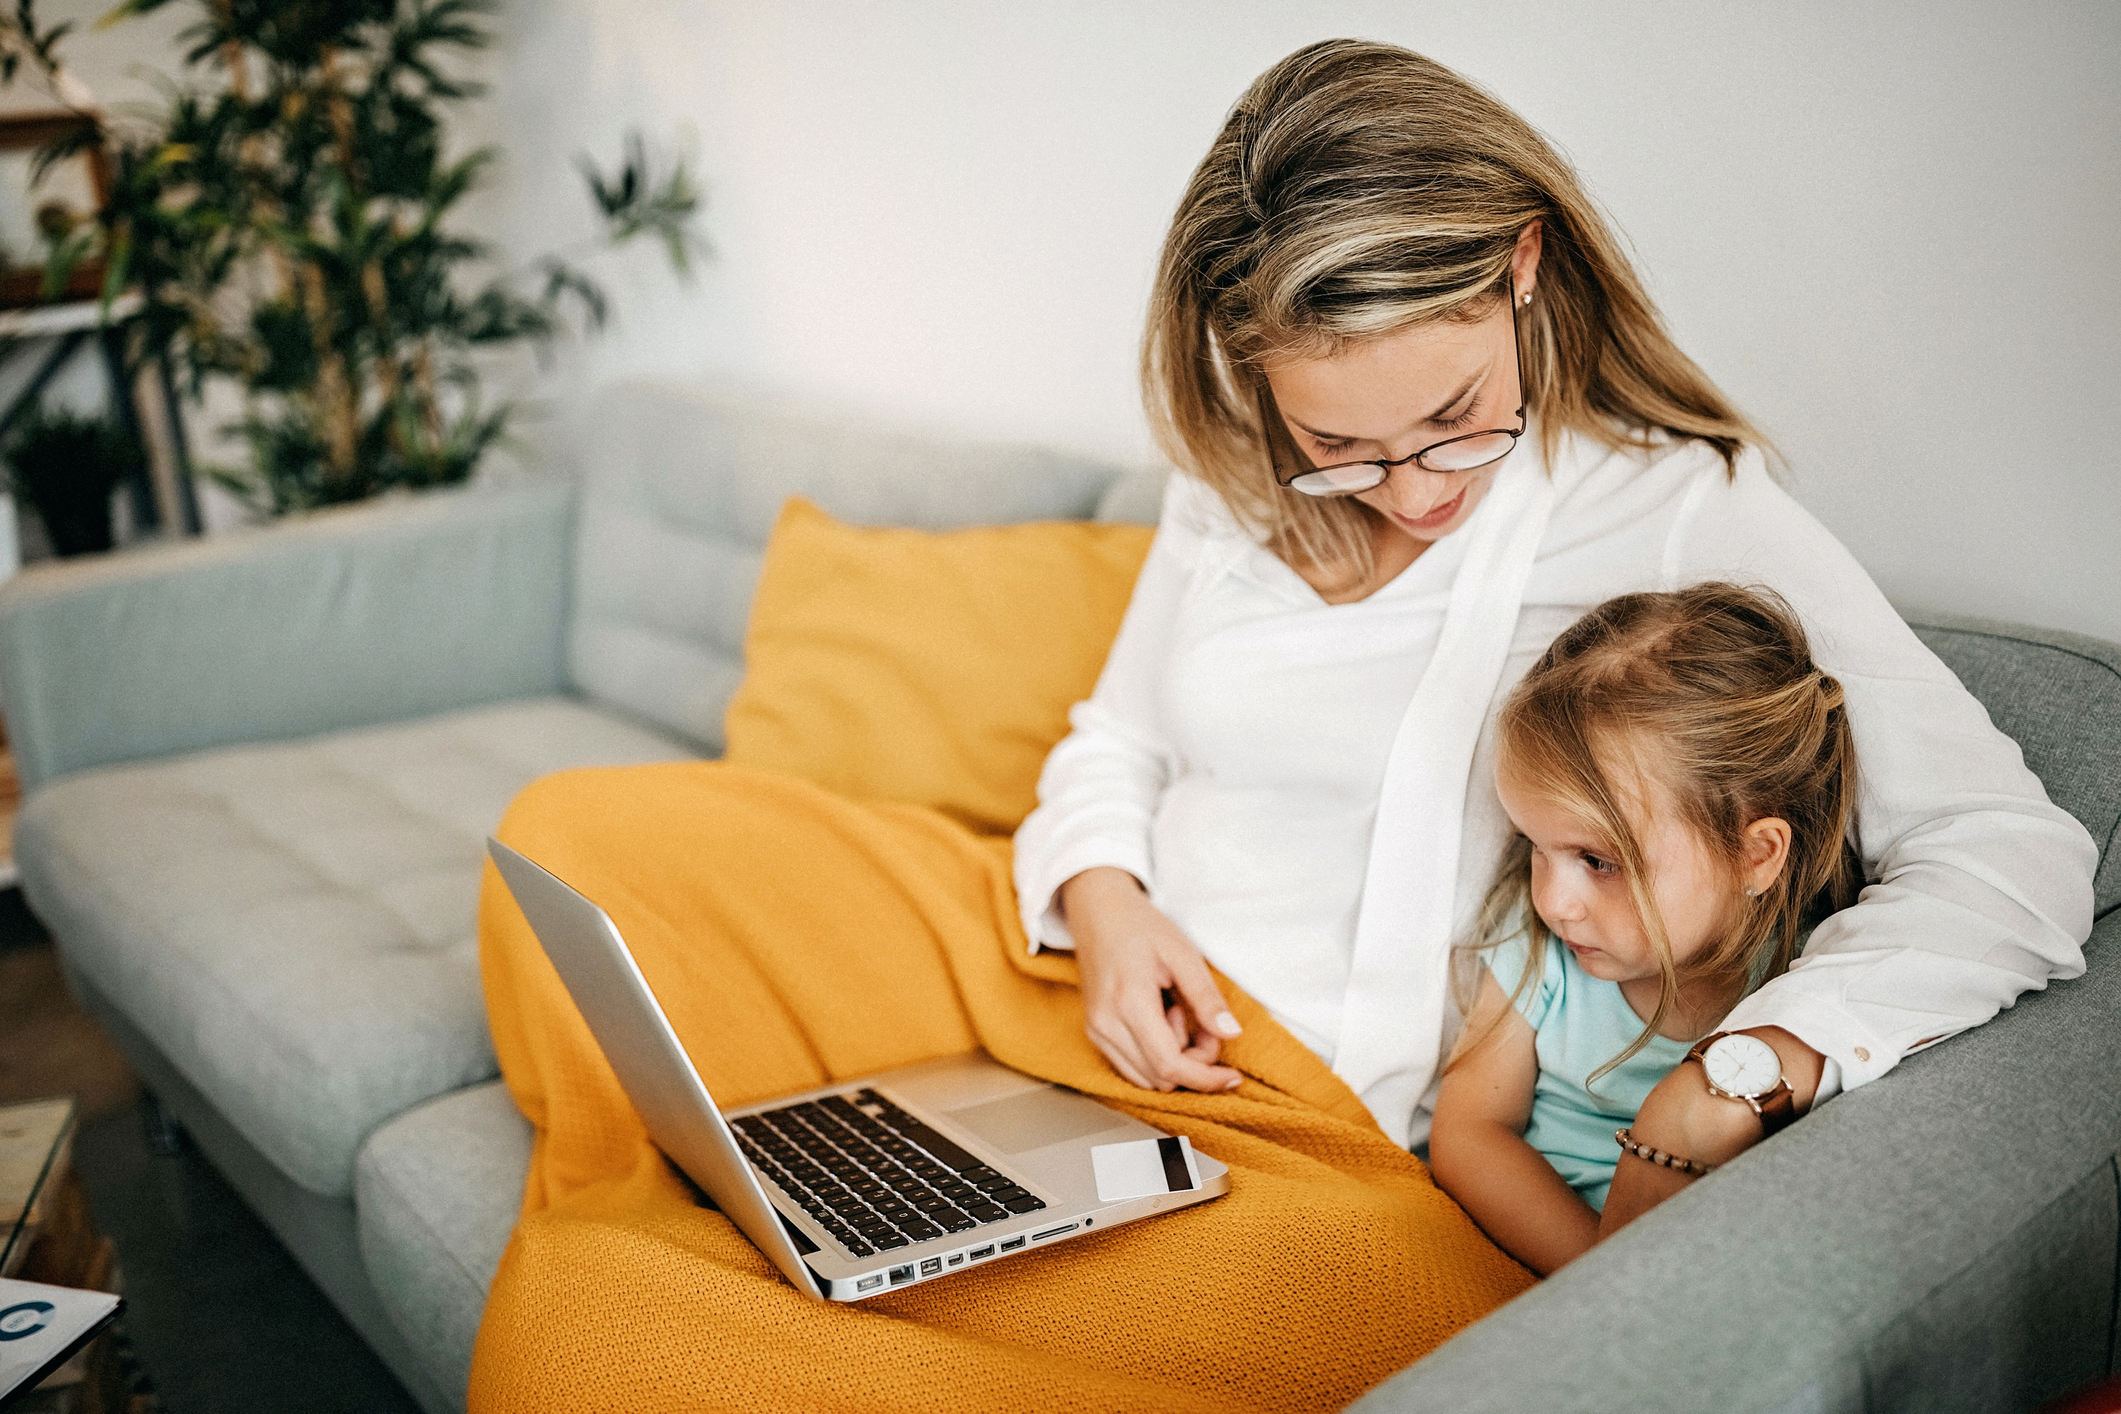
point(1581, 1023)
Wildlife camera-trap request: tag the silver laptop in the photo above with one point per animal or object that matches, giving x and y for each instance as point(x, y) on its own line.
point(870, 1184)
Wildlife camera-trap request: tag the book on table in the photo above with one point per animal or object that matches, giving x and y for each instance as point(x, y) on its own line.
point(41, 1326)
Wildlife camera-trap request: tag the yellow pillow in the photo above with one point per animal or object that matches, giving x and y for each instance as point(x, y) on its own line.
point(935, 667)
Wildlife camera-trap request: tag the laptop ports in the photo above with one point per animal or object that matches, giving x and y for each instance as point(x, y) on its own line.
point(931, 1265)
point(981, 1254)
point(1014, 1244)
point(869, 1283)
point(901, 1275)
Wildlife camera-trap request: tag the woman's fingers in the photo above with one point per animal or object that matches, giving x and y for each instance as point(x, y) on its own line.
point(1196, 988)
point(1130, 953)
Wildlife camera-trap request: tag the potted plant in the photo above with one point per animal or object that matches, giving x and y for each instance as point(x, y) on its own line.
point(66, 466)
point(287, 221)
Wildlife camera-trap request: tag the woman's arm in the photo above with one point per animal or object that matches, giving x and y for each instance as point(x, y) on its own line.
point(1982, 885)
point(1083, 865)
point(1477, 1151)
point(1099, 788)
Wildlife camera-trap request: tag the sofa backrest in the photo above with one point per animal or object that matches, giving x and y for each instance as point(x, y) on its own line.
point(681, 489)
point(2058, 695)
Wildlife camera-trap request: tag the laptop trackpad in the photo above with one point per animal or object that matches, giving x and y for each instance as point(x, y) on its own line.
point(1033, 1119)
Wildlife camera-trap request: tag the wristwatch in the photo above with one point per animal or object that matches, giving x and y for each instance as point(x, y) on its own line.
point(1746, 1068)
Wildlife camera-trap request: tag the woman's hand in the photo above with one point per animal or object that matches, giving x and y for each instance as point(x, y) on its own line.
point(1149, 1002)
point(1682, 1117)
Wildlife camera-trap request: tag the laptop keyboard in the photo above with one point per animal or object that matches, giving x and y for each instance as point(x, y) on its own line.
point(872, 1175)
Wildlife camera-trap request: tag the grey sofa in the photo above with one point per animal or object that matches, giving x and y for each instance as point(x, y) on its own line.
point(260, 770)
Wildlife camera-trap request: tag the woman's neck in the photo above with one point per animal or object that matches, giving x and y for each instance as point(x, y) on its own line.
point(1392, 550)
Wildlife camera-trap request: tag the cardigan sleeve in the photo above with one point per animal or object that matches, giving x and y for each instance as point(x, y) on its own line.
point(1099, 789)
point(1983, 887)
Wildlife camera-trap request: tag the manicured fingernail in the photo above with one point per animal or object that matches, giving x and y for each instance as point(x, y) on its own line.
point(1235, 1083)
point(1227, 1025)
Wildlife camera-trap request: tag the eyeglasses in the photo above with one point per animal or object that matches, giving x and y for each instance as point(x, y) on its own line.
point(1467, 452)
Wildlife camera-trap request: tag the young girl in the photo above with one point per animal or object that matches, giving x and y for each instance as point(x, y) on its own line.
point(1683, 783)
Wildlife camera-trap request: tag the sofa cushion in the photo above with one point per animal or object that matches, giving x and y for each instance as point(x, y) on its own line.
point(681, 489)
point(293, 923)
point(931, 667)
point(438, 1189)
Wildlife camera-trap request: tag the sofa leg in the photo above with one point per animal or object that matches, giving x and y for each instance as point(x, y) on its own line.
point(165, 1135)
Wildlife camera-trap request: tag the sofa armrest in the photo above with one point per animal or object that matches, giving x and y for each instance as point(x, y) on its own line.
point(340, 619)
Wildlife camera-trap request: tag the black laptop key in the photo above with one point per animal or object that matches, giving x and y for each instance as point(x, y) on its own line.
point(933, 1203)
point(992, 1183)
point(886, 1244)
point(953, 1221)
point(920, 1231)
point(987, 1212)
point(1005, 1193)
point(1025, 1204)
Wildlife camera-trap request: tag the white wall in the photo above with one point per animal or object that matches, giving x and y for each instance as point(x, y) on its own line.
point(1888, 229)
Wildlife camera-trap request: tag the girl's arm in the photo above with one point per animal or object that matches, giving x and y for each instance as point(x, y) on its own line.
point(1477, 1151)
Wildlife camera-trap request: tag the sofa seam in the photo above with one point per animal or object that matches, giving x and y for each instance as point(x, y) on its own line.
point(398, 1199)
point(2113, 1307)
point(2013, 638)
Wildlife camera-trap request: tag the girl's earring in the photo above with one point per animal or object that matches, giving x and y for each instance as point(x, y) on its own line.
point(1752, 893)
point(1528, 299)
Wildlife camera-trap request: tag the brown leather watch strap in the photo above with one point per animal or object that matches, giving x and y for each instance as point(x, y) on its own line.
point(1778, 1111)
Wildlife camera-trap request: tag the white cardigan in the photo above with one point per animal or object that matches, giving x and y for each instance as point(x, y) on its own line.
point(1308, 789)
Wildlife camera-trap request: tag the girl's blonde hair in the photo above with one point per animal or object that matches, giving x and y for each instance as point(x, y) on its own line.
point(1710, 693)
point(1358, 189)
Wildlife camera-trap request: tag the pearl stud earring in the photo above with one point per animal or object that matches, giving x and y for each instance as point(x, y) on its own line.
point(1527, 299)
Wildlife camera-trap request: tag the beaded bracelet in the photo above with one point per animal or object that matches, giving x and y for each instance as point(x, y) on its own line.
point(1659, 1157)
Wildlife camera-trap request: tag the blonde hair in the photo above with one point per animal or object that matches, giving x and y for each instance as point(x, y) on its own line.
point(1712, 692)
point(1358, 189)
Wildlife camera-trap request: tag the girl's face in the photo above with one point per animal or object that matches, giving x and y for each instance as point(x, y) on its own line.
point(1582, 894)
point(1393, 395)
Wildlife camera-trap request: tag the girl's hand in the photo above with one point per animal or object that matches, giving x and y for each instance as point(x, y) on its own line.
point(1682, 1117)
point(1149, 1002)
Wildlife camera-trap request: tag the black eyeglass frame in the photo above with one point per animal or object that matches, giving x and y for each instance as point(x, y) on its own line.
point(1385, 467)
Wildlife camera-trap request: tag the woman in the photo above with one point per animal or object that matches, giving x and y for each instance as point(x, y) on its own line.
point(1282, 773)
point(1380, 271)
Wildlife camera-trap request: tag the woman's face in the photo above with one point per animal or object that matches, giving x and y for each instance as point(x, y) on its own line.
point(1388, 397)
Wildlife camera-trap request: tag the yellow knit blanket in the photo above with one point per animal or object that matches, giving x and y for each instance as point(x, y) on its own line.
point(796, 937)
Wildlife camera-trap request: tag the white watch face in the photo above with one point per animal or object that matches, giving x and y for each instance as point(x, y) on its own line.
point(1742, 1065)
